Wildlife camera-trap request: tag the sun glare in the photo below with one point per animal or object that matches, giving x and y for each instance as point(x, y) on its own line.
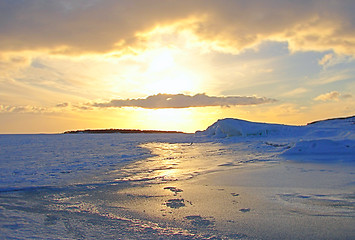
point(178, 82)
point(161, 61)
point(167, 74)
point(168, 119)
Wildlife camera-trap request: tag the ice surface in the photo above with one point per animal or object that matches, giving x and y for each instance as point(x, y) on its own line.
point(235, 180)
point(50, 160)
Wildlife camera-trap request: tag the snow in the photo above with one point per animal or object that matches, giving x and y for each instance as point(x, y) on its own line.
point(333, 136)
point(28, 161)
point(47, 160)
point(258, 180)
point(323, 146)
point(240, 128)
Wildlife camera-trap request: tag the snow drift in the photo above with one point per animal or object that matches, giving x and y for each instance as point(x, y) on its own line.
point(230, 127)
point(323, 146)
point(331, 136)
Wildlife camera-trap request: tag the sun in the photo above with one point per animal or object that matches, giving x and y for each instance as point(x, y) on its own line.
point(170, 62)
point(167, 73)
point(178, 82)
point(163, 59)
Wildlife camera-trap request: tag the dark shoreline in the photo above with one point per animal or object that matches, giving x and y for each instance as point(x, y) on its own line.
point(93, 131)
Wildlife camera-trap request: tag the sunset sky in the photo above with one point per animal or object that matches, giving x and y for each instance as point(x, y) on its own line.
point(173, 64)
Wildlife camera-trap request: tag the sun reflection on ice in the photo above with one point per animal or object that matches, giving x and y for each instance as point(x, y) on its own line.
point(182, 161)
point(165, 165)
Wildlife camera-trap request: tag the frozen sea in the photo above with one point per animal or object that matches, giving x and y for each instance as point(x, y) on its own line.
point(176, 186)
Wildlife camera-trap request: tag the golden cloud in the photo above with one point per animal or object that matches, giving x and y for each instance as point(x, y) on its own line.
point(332, 96)
point(92, 26)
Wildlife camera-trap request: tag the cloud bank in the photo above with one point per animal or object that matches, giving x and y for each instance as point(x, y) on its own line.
point(97, 26)
point(183, 101)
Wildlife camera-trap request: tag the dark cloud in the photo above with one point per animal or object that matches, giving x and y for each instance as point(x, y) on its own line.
point(21, 109)
point(62, 105)
point(346, 96)
point(82, 26)
point(183, 101)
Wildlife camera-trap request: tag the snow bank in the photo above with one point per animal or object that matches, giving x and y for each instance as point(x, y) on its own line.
point(332, 136)
point(339, 128)
point(235, 127)
point(322, 146)
point(342, 128)
point(334, 123)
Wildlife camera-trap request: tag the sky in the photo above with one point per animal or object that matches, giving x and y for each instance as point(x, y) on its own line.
point(173, 64)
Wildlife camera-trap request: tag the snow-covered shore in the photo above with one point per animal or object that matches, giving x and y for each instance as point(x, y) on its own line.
point(235, 180)
point(332, 136)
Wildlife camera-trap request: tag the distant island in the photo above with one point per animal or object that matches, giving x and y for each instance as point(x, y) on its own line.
point(93, 131)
